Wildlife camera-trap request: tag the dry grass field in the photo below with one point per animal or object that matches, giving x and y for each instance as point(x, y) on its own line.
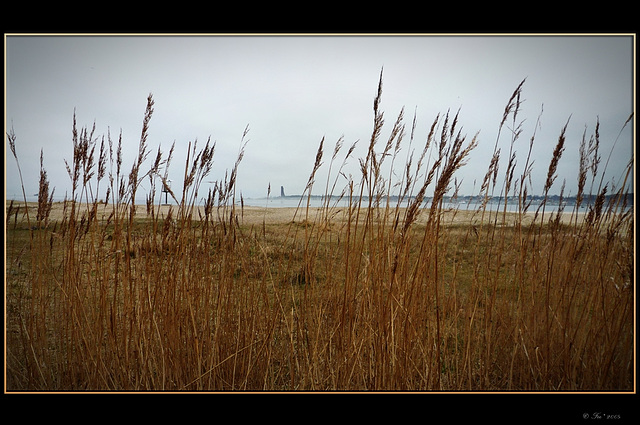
point(213, 296)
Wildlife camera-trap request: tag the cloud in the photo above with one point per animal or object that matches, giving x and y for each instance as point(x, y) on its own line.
point(293, 91)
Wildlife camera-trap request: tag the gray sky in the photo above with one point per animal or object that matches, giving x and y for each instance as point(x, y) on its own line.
point(294, 90)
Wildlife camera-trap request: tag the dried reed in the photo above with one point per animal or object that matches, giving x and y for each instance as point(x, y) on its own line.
point(374, 296)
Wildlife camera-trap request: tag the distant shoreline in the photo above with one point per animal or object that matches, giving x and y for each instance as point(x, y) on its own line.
point(282, 215)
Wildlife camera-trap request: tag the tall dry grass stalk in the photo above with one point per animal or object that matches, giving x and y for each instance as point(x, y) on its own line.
point(389, 293)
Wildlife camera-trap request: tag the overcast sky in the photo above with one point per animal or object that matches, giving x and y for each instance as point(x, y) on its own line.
point(294, 90)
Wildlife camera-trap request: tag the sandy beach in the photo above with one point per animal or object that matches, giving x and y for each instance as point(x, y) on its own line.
point(249, 215)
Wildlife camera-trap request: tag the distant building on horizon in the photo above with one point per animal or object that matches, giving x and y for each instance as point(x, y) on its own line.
point(282, 191)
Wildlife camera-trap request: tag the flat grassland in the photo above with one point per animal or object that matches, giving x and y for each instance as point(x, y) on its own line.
point(282, 299)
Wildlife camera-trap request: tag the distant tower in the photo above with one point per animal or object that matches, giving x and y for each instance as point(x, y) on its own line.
point(166, 188)
point(282, 191)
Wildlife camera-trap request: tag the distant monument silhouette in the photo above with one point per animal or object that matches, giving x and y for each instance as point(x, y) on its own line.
point(282, 191)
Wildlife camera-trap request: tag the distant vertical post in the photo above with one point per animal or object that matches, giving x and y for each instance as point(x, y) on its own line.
point(282, 191)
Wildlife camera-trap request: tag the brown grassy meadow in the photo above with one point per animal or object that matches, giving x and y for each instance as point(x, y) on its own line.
point(109, 296)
